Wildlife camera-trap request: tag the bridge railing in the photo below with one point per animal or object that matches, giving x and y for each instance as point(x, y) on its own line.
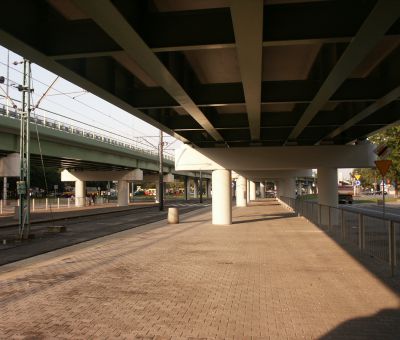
point(87, 133)
point(375, 235)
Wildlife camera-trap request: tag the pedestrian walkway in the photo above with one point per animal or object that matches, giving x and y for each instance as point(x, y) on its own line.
point(270, 275)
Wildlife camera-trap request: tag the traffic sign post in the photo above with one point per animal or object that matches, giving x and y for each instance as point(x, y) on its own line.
point(383, 166)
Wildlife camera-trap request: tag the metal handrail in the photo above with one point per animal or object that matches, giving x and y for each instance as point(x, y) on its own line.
point(86, 133)
point(375, 235)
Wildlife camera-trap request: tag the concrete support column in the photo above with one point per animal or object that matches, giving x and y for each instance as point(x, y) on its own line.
point(187, 187)
point(328, 195)
point(80, 193)
point(262, 190)
point(252, 191)
point(328, 186)
point(247, 191)
point(279, 188)
point(209, 195)
point(299, 188)
point(290, 187)
point(123, 193)
point(241, 192)
point(195, 188)
point(222, 197)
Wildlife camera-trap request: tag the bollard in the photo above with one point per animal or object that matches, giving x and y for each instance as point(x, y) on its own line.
point(68, 202)
point(173, 215)
point(58, 203)
point(33, 204)
point(47, 203)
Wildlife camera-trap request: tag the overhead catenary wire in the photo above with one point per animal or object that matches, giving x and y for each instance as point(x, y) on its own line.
point(122, 134)
point(82, 103)
point(89, 125)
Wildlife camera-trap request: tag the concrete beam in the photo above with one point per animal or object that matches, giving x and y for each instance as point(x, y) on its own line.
point(262, 175)
point(168, 178)
point(126, 175)
point(107, 16)
point(247, 18)
point(381, 18)
point(387, 99)
point(286, 157)
point(9, 165)
point(188, 158)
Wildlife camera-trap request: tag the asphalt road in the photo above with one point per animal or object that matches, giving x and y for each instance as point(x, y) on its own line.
point(392, 210)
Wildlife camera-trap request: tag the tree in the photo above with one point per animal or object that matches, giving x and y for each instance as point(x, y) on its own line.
point(390, 137)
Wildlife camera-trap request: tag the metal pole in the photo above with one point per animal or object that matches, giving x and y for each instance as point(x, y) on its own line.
point(28, 154)
point(383, 196)
point(160, 174)
point(201, 187)
point(21, 186)
point(186, 188)
point(5, 190)
point(8, 83)
point(392, 247)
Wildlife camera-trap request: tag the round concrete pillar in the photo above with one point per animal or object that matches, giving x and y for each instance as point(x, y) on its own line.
point(209, 188)
point(290, 187)
point(188, 188)
point(222, 197)
point(328, 186)
point(195, 188)
point(278, 188)
point(80, 193)
point(252, 191)
point(247, 191)
point(262, 190)
point(123, 193)
point(328, 195)
point(241, 192)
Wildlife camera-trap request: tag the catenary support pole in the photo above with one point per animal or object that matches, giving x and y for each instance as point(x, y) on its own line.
point(161, 173)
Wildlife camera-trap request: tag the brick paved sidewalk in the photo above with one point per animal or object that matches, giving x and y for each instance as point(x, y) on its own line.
point(270, 275)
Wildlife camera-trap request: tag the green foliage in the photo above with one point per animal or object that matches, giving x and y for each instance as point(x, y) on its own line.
point(52, 178)
point(390, 137)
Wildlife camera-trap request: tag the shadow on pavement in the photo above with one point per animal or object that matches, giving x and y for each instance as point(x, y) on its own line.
point(275, 217)
point(382, 325)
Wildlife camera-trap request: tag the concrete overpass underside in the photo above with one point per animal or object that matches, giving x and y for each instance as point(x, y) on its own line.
point(228, 75)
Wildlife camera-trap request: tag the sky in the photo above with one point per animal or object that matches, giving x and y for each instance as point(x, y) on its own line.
point(66, 101)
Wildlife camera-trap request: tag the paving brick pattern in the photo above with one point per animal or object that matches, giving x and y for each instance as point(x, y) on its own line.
point(270, 275)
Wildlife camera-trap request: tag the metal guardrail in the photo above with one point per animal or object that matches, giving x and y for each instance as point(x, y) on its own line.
point(373, 235)
point(87, 133)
